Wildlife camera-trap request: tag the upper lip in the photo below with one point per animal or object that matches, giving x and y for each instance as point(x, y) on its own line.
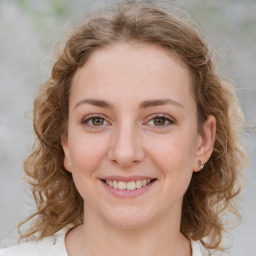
point(126, 179)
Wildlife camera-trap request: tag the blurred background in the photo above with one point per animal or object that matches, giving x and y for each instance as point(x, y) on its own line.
point(28, 31)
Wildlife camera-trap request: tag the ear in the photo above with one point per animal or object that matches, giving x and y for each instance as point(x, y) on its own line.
point(67, 161)
point(205, 142)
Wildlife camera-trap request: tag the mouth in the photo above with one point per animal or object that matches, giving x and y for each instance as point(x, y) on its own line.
point(129, 186)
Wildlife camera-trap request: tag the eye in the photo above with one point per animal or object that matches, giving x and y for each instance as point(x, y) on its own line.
point(95, 121)
point(160, 121)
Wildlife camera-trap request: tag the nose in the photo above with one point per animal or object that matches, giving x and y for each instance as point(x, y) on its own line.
point(126, 148)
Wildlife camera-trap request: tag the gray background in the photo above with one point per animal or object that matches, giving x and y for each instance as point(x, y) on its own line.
point(28, 31)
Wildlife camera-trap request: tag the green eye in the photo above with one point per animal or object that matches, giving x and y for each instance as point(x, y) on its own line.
point(97, 121)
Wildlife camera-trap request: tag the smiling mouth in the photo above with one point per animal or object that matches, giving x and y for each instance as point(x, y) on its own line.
point(131, 185)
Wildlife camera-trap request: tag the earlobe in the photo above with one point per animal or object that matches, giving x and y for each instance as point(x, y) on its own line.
point(201, 164)
point(206, 143)
point(67, 161)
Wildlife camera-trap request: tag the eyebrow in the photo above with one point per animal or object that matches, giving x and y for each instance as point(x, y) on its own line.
point(143, 105)
point(94, 102)
point(159, 102)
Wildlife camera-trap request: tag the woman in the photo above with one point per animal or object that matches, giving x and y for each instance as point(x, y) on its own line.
point(137, 150)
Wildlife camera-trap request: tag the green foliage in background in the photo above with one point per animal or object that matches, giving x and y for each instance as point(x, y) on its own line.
point(49, 19)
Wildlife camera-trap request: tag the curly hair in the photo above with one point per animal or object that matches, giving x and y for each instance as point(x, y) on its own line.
point(210, 192)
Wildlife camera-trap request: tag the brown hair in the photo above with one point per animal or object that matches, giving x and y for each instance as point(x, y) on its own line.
point(210, 192)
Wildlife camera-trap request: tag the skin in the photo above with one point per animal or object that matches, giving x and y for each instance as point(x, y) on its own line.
point(127, 139)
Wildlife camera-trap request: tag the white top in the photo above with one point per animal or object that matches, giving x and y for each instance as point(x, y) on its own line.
point(55, 246)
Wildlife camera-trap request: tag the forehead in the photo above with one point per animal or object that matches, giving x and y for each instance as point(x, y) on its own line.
point(147, 70)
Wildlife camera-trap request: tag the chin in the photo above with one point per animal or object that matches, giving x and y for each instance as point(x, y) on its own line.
point(129, 220)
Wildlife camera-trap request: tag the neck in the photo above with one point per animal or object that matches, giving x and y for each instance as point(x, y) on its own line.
point(96, 238)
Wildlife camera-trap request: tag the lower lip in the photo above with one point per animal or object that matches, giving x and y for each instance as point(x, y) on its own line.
point(128, 193)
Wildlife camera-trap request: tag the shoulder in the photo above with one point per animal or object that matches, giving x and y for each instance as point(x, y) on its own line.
point(50, 246)
point(198, 249)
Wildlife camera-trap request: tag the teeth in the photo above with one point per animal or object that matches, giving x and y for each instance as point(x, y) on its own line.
point(131, 185)
point(121, 185)
point(138, 184)
point(115, 184)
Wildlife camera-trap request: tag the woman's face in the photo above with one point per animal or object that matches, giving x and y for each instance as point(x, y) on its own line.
point(132, 119)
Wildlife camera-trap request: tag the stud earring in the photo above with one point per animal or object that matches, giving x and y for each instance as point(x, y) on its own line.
point(201, 164)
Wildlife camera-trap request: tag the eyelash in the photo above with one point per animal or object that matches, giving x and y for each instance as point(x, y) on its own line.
point(161, 116)
point(152, 118)
point(91, 118)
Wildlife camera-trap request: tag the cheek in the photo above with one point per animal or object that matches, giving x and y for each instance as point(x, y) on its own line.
point(86, 152)
point(86, 155)
point(174, 155)
point(179, 147)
